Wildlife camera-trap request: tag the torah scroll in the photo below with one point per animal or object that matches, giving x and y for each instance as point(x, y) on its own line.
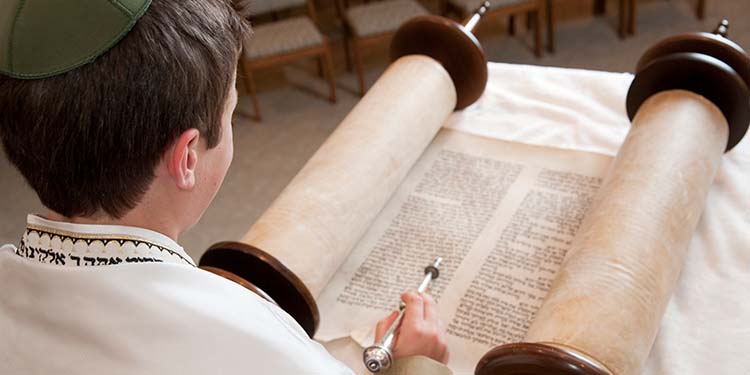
point(324, 211)
point(689, 103)
point(292, 251)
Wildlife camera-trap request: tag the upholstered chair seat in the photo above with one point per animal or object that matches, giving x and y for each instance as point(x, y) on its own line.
point(285, 36)
point(382, 17)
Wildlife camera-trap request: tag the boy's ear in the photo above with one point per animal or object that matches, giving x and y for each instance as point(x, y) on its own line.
point(183, 158)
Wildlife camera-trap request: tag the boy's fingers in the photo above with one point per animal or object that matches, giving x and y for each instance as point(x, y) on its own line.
point(430, 309)
point(414, 313)
point(446, 356)
point(382, 327)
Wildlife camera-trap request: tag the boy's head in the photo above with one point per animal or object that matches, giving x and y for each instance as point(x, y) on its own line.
point(155, 109)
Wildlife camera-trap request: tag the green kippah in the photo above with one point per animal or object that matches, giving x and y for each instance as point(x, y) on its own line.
point(42, 38)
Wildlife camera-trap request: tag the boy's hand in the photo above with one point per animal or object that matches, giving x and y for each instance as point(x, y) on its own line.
point(420, 333)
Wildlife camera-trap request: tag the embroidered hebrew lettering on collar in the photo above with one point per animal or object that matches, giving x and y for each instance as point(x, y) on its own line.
point(68, 244)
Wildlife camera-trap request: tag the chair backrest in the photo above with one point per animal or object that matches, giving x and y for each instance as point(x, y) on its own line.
point(258, 7)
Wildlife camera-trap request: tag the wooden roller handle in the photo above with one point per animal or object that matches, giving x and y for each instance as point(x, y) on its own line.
point(689, 102)
point(603, 311)
point(616, 281)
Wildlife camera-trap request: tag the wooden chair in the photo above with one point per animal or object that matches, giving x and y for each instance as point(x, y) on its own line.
point(627, 14)
point(700, 13)
point(550, 16)
point(282, 41)
point(624, 9)
point(511, 9)
point(372, 23)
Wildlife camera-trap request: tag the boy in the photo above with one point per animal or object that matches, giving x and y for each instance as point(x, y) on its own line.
point(118, 114)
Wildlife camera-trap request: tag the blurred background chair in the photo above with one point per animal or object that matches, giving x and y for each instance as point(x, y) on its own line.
point(283, 40)
point(550, 17)
point(624, 7)
point(371, 23)
point(700, 13)
point(512, 9)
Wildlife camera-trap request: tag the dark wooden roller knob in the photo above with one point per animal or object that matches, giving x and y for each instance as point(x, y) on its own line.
point(262, 271)
point(707, 64)
point(453, 46)
point(535, 359)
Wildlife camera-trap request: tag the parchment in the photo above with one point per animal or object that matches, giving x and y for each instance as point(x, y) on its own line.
point(501, 214)
point(622, 268)
point(319, 217)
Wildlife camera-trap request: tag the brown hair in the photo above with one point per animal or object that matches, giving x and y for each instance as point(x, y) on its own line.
point(88, 140)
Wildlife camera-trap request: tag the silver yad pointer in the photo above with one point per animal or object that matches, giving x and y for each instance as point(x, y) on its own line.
point(379, 357)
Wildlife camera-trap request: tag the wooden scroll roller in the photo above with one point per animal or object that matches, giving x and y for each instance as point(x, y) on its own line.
point(296, 246)
point(689, 103)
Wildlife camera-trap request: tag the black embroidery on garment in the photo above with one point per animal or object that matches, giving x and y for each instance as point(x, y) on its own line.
point(50, 256)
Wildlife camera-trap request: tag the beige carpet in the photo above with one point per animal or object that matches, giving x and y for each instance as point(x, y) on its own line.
point(297, 118)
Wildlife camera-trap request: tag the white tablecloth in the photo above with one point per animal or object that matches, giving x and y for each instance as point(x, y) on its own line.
point(706, 328)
